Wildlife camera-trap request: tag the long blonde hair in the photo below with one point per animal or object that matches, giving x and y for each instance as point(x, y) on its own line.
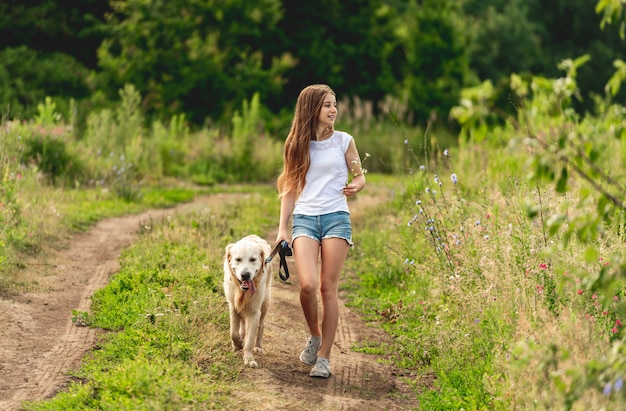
point(296, 156)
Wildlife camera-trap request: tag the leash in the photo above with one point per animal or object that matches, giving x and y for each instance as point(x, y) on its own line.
point(283, 251)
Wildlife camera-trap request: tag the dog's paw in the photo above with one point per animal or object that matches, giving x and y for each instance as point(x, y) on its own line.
point(258, 350)
point(250, 362)
point(237, 347)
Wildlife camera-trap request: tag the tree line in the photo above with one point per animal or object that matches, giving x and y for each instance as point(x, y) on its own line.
point(204, 57)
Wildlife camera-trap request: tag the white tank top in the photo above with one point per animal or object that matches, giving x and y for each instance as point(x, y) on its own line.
point(327, 176)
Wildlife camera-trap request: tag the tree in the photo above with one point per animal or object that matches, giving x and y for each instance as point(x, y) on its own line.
point(197, 57)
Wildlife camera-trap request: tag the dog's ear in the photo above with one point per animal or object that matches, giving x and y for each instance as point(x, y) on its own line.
point(227, 251)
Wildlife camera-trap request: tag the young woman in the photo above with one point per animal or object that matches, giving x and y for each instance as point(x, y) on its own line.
point(314, 187)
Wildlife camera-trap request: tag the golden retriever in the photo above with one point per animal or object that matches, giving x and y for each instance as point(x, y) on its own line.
point(247, 282)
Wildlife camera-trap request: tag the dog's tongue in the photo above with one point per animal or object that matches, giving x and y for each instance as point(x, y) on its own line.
point(250, 285)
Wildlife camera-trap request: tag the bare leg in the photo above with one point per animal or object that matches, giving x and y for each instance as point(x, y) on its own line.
point(334, 253)
point(306, 252)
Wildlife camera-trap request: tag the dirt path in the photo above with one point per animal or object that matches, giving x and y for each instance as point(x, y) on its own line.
point(39, 343)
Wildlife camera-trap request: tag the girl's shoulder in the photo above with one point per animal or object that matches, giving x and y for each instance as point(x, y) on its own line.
point(344, 138)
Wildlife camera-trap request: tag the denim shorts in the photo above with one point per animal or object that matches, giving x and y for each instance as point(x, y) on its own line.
point(332, 225)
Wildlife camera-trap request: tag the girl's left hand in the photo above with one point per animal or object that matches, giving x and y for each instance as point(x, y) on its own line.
point(349, 190)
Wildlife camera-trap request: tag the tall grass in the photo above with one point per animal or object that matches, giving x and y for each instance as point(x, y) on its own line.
point(500, 271)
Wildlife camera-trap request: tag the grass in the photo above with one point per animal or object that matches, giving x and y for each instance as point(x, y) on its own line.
point(497, 266)
point(168, 347)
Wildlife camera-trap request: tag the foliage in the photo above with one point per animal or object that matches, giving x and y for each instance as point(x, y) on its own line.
point(68, 27)
point(207, 55)
point(28, 76)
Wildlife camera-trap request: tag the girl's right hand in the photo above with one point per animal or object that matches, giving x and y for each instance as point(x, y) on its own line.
point(283, 235)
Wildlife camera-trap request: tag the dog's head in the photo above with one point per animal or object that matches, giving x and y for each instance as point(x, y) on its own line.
point(246, 259)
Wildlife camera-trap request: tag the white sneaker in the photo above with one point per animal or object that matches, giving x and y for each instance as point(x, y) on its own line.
point(321, 369)
point(309, 354)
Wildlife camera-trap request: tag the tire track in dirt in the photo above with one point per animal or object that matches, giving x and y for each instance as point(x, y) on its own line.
point(358, 381)
point(39, 343)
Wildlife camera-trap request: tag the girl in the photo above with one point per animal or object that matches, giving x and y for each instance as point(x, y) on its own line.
point(313, 187)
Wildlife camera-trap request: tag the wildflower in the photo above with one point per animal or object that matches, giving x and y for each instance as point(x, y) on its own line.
point(618, 322)
point(594, 296)
point(446, 152)
point(543, 266)
point(406, 141)
point(422, 168)
point(619, 383)
point(437, 180)
point(477, 222)
point(580, 292)
point(615, 298)
point(605, 312)
point(607, 389)
point(453, 178)
point(427, 190)
point(486, 237)
point(614, 330)
point(418, 202)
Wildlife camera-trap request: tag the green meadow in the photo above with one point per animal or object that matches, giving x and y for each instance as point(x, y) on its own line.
point(496, 262)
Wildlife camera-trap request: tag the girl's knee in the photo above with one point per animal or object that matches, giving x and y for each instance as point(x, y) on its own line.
point(329, 291)
point(308, 290)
